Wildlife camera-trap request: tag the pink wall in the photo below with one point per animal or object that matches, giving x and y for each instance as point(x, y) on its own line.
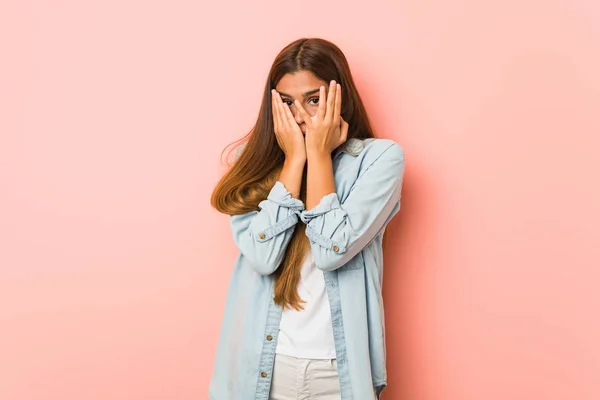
point(113, 266)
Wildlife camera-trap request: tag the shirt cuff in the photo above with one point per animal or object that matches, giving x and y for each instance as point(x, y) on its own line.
point(281, 196)
point(328, 202)
point(322, 222)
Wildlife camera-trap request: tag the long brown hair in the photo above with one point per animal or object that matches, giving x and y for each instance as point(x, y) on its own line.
point(258, 166)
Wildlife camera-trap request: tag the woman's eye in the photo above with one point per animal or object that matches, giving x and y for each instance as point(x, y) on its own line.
point(288, 102)
point(316, 101)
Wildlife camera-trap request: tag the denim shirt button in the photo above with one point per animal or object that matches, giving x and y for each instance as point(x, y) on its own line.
point(263, 374)
point(269, 338)
point(262, 236)
point(336, 248)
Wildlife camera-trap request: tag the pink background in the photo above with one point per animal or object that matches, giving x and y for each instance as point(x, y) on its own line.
point(113, 114)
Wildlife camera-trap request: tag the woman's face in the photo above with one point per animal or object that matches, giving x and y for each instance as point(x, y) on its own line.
point(304, 87)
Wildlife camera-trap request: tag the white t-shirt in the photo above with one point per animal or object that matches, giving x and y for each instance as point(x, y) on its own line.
point(308, 333)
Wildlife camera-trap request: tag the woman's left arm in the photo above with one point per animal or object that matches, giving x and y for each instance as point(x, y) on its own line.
point(339, 231)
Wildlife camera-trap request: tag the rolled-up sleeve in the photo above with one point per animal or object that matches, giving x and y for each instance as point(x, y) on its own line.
point(339, 231)
point(262, 236)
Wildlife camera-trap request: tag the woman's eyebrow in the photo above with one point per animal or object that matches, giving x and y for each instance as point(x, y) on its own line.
point(304, 95)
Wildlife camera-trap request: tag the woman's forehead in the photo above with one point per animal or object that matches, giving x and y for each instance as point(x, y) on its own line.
point(299, 83)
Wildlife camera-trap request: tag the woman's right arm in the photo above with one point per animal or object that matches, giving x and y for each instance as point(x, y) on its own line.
point(262, 236)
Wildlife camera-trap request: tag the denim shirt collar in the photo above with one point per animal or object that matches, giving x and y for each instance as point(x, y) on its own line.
point(352, 146)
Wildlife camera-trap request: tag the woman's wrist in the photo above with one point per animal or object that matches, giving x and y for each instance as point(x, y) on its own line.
point(320, 180)
point(317, 153)
point(295, 160)
point(291, 175)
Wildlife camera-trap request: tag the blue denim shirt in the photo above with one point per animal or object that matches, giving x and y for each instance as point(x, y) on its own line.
point(345, 232)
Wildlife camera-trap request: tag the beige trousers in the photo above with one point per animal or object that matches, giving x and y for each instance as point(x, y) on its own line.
point(304, 379)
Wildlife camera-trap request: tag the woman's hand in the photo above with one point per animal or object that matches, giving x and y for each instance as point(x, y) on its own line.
point(327, 129)
point(288, 133)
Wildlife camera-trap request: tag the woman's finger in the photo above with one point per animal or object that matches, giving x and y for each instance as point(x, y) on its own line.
point(338, 105)
point(305, 116)
point(288, 115)
point(338, 100)
point(330, 101)
point(283, 119)
point(275, 111)
point(322, 104)
point(279, 128)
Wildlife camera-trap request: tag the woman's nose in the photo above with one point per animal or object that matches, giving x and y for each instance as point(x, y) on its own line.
point(298, 116)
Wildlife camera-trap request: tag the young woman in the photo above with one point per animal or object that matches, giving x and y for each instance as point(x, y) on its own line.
point(309, 194)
